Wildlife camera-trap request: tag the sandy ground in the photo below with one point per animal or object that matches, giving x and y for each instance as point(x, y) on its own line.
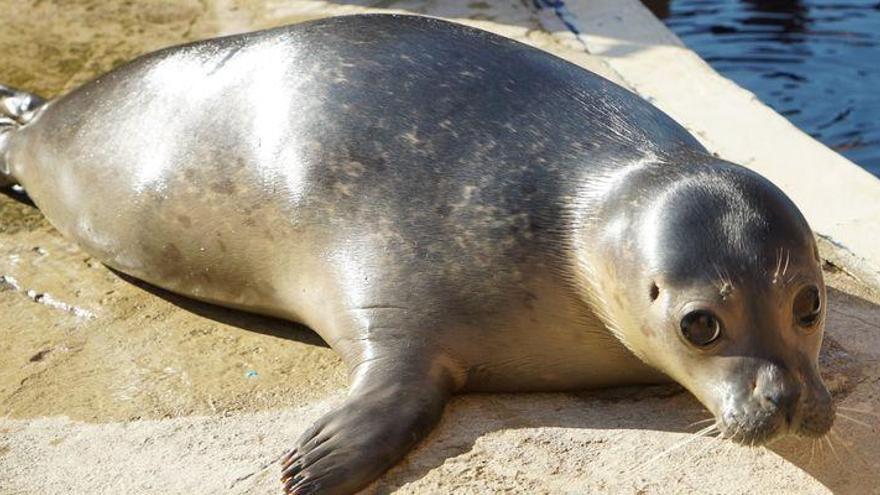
point(109, 386)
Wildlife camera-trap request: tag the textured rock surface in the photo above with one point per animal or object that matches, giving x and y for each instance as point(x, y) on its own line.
point(109, 387)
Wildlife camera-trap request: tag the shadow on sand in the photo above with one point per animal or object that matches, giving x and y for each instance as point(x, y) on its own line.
point(252, 322)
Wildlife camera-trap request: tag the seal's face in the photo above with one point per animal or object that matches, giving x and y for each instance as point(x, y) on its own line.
point(748, 350)
point(733, 307)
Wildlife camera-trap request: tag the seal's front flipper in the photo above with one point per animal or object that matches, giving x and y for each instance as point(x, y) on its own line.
point(17, 108)
point(390, 408)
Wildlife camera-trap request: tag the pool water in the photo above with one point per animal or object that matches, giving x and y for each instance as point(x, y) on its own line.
point(817, 62)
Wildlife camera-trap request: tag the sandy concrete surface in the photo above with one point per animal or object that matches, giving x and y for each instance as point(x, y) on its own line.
point(109, 386)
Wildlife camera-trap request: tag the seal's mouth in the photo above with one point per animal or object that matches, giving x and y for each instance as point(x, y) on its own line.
point(754, 429)
point(762, 426)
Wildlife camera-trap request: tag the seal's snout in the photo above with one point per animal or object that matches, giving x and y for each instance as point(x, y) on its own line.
point(776, 403)
point(763, 409)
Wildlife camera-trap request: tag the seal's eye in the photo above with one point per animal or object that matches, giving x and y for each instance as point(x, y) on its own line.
point(700, 328)
point(807, 306)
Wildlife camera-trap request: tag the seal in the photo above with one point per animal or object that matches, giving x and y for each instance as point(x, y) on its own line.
point(451, 211)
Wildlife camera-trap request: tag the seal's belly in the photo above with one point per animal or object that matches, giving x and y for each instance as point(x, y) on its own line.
point(212, 248)
point(197, 222)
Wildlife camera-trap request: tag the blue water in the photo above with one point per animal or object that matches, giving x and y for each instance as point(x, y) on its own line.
point(816, 62)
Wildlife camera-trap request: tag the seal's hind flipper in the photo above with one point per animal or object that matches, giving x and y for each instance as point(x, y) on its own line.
point(17, 108)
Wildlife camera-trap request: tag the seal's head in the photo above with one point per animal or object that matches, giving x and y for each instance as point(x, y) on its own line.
point(724, 293)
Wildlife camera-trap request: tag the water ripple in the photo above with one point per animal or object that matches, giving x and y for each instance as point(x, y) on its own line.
point(817, 62)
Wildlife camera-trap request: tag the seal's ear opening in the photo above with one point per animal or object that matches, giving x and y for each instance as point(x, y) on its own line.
point(654, 291)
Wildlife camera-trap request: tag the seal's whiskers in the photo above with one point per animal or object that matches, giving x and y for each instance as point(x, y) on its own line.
point(853, 453)
point(716, 440)
point(700, 422)
point(858, 411)
point(812, 452)
point(854, 420)
point(787, 260)
point(821, 448)
point(833, 450)
point(775, 277)
point(701, 433)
